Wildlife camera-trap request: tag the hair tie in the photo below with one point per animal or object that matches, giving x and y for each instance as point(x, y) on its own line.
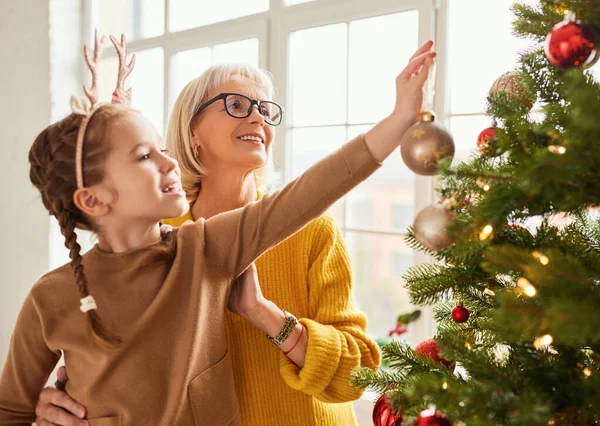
point(165, 229)
point(87, 304)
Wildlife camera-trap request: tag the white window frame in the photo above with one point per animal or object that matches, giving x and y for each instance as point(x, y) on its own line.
point(272, 29)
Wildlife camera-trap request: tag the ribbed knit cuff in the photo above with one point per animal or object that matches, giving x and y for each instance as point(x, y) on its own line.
point(322, 360)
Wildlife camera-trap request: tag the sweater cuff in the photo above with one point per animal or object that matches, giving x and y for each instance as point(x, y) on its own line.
point(360, 160)
point(322, 360)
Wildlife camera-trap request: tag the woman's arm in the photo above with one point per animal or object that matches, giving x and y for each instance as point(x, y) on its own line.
point(233, 240)
point(337, 340)
point(27, 368)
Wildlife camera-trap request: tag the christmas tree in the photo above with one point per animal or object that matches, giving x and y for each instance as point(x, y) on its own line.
point(515, 242)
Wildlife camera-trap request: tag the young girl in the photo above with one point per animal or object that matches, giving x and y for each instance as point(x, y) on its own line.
point(158, 352)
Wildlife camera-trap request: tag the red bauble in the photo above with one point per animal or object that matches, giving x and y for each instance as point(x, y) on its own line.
point(460, 313)
point(483, 145)
point(384, 415)
point(430, 349)
point(571, 44)
point(432, 418)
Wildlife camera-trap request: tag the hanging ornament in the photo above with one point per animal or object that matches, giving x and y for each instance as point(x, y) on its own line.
point(483, 140)
point(430, 227)
point(430, 349)
point(571, 44)
point(402, 322)
point(460, 313)
point(384, 414)
point(432, 417)
point(424, 144)
point(509, 86)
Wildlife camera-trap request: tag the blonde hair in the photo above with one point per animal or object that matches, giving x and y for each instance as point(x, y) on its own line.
point(179, 130)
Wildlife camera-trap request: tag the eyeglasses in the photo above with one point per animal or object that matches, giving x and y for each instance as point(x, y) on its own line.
point(240, 106)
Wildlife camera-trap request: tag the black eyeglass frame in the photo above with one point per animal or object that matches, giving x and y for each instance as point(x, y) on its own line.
point(252, 103)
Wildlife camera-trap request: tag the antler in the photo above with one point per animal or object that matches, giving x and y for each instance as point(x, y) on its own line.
point(92, 92)
point(120, 95)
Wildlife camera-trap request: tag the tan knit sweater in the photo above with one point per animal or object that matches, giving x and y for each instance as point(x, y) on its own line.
point(173, 367)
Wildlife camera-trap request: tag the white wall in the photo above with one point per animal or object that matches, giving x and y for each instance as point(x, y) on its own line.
point(24, 112)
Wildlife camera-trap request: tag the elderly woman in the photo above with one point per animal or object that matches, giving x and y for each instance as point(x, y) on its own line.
point(222, 131)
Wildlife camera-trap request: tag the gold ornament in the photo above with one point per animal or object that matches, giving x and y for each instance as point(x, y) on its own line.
point(424, 144)
point(509, 85)
point(431, 227)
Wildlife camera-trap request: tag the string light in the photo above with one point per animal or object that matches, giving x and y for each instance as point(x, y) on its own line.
point(587, 372)
point(445, 385)
point(543, 259)
point(550, 422)
point(557, 149)
point(461, 403)
point(489, 292)
point(485, 232)
point(526, 286)
point(541, 342)
point(468, 346)
point(482, 184)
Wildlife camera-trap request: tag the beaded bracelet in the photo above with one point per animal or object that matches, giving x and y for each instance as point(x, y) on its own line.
point(286, 330)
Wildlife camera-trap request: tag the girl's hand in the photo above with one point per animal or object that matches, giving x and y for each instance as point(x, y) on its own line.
point(383, 138)
point(410, 84)
point(246, 298)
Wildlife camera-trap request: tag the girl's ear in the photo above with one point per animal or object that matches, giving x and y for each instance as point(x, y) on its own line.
point(90, 203)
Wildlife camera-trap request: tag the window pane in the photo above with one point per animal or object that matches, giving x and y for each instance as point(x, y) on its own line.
point(186, 14)
point(243, 51)
point(479, 50)
point(465, 131)
point(385, 201)
point(136, 18)
point(378, 261)
point(373, 66)
point(310, 145)
point(318, 68)
point(186, 66)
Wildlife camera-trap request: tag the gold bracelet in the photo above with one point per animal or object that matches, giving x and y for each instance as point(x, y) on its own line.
point(286, 330)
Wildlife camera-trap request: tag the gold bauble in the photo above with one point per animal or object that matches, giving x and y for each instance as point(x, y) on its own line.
point(510, 85)
point(424, 144)
point(431, 227)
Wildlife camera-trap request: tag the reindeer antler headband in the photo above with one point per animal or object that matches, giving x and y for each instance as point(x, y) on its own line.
point(121, 96)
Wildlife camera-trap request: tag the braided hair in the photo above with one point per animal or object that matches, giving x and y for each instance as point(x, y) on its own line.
point(52, 172)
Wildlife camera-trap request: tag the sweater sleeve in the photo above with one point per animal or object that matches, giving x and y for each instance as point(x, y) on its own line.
point(337, 340)
point(28, 365)
point(234, 239)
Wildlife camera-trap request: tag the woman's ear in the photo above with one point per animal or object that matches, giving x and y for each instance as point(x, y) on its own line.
point(89, 202)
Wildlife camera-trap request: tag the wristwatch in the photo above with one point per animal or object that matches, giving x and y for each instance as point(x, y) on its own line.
point(286, 330)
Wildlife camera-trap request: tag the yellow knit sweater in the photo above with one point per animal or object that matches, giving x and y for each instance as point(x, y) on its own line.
point(310, 276)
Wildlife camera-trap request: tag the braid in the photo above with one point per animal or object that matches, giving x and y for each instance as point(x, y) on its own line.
point(67, 226)
point(52, 161)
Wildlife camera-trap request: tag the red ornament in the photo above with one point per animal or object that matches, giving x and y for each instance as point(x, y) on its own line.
point(432, 417)
point(571, 44)
point(460, 313)
point(384, 415)
point(483, 145)
point(430, 349)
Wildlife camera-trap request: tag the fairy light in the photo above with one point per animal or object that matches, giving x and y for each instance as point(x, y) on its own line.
point(550, 422)
point(541, 342)
point(486, 187)
point(482, 184)
point(557, 149)
point(587, 372)
point(445, 385)
point(542, 258)
point(485, 232)
point(462, 403)
point(468, 346)
point(526, 286)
